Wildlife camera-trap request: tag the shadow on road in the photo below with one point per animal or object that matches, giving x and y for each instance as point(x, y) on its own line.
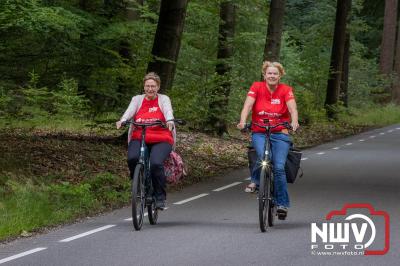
point(279, 225)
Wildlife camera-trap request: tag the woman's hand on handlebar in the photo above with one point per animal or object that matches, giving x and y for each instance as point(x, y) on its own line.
point(118, 124)
point(241, 125)
point(294, 125)
point(170, 125)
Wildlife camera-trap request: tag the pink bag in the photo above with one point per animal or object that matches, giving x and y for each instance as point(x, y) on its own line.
point(174, 168)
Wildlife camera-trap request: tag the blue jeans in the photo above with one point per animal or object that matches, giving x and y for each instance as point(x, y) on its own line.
point(280, 145)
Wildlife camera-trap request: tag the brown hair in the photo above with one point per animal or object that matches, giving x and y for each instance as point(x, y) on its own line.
point(277, 65)
point(153, 76)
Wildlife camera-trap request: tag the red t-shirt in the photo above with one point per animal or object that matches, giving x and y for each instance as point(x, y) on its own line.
point(149, 112)
point(269, 105)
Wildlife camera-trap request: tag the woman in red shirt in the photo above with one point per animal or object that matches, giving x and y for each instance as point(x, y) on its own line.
point(274, 101)
point(150, 107)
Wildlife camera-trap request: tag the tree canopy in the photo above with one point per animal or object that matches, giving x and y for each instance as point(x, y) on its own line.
point(87, 58)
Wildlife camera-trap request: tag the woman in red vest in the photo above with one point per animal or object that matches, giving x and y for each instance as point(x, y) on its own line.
point(149, 107)
point(272, 100)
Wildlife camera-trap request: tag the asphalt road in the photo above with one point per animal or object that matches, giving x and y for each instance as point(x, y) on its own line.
point(220, 226)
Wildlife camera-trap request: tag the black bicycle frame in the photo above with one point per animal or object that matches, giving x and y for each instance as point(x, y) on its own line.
point(267, 147)
point(144, 160)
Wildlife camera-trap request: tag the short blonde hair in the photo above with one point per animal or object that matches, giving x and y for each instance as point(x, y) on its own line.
point(153, 76)
point(277, 65)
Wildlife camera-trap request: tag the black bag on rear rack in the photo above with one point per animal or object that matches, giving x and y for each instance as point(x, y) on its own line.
point(292, 166)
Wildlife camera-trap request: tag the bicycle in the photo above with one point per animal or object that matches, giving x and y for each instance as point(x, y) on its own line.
point(266, 205)
point(141, 183)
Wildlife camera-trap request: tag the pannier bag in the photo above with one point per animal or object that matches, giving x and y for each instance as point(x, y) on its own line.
point(292, 166)
point(174, 168)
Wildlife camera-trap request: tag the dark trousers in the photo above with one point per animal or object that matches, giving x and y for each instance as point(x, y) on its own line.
point(158, 153)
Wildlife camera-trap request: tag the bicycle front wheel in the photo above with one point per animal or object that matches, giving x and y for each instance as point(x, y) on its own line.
point(272, 205)
point(138, 197)
point(263, 199)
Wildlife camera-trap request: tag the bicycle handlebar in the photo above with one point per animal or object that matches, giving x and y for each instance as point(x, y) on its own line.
point(155, 123)
point(285, 124)
point(247, 127)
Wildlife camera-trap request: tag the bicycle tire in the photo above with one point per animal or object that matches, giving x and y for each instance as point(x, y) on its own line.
point(272, 207)
point(263, 202)
point(138, 197)
point(152, 212)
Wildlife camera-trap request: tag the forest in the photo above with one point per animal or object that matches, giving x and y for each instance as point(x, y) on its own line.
point(79, 62)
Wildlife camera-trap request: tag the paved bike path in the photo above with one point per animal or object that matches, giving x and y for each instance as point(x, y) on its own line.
point(218, 225)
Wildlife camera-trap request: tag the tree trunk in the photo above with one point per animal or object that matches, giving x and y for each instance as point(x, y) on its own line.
point(388, 37)
point(220, 95)
point(336, 65)
point(396, 82)
point(274, 32)
point(167, 41)
point(344, 97)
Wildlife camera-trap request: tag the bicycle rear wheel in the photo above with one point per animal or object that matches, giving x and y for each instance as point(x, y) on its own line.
point(263, 199)
point(152, 212)
point(138, 197)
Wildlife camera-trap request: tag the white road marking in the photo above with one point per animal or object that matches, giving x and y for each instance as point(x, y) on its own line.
point(390, 131)
point(348, 144)
point(190, 199)
point(382, 133)
point(321, 153)
point(361, 140)
point(227, 186)
point(397, 128)
point(87, 233)
point(336, 148)
point(249, 178)
point(371, 137)
point(305, 158)
point(20, 255)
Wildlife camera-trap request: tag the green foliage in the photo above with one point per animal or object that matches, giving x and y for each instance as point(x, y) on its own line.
point(37, 37)
point(5, 100)
point(37, 102)
point(310, 111)
point(38, 106)
point(371, 115)
point(68, 60)
point(26, 206)
point(75, 198)
point(68, 102)
point(110, 190)
point(196, 66)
